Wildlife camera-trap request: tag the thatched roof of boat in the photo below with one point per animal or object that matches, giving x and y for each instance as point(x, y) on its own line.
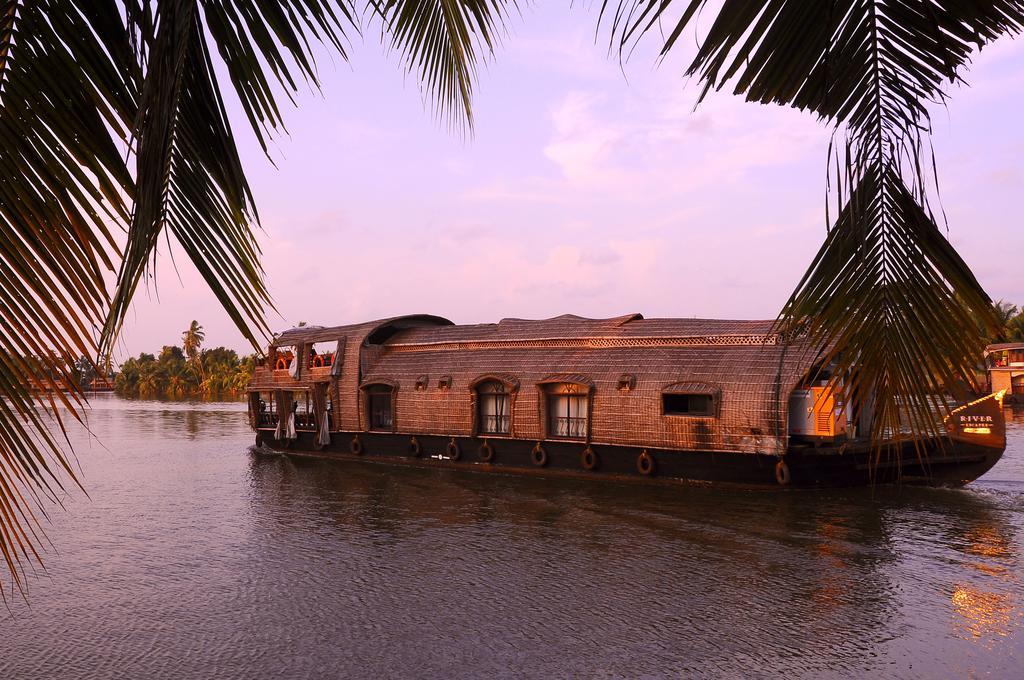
point(1001, 346)
point(384, 327)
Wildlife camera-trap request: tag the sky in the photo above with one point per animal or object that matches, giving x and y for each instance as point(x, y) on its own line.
point(588, 187)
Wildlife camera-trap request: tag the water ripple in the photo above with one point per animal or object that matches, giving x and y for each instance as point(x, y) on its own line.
point(195, 558)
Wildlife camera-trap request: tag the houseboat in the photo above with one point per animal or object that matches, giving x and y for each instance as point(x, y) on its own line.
point(1005, 365)
point(671, 400)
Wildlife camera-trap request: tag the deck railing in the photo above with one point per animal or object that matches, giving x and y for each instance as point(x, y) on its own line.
point(566, 426)
point(494, 424)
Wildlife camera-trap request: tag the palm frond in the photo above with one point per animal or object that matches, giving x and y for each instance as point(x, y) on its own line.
point(189, 177)
point(442, 40)
point(188, 173)
point(887, 297)
point(86, 88)
point(253, 36)
point(892, 308)
point(62, 180)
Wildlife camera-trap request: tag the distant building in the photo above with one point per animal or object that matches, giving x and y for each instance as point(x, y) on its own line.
point(1005, 364)
point(102, 383)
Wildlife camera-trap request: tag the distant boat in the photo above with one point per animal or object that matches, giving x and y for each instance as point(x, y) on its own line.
point(101, 384)
point(97, 385)
point(1005, 365)
point(681, 400)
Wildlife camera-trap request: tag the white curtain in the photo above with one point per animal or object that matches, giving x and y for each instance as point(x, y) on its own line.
point(293, 368)
point(289, 431)
point(324, 436)
point(568, 415)
point(281, 406)
point(493, 410)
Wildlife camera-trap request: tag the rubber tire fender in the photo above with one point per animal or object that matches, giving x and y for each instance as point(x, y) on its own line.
point(782, 475)
point(589, 459)
point(645, 463)
point(486, 452)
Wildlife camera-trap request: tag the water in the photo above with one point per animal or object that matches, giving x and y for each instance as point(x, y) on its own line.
point(192, 557)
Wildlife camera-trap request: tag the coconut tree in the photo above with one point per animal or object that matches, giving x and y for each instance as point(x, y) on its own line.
point(177, 381)
point(114, 135)
point(1015, 328)
point(1005, 314)
point(191, 341)
point(887, 299)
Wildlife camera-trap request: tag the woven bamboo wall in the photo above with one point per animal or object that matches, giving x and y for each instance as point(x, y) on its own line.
point(747, 420)
point(750, 368)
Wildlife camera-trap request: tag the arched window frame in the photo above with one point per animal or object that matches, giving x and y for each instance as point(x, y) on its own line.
point(550, 388)
point(368, 389)
point(511, 388)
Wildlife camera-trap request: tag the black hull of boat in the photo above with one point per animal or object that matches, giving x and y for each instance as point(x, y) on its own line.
point(949, 463)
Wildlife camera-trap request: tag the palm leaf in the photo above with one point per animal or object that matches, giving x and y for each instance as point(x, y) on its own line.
point(886, 302)
point(887, 299)
point(80, 82)
point(62, 180)
point(442, 41)
point(189, 177)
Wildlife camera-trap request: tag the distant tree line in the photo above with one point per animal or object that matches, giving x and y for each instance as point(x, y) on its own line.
point(188, 371)
point(1011, 323)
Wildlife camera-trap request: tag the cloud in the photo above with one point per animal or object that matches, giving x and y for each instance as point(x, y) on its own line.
point(582, 139)
point(647, 143)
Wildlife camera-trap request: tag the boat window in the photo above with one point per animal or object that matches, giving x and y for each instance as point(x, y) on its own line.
point(321, 354)
point(494, 413)
point(379, 406)
point(687, 404)
point(567, 410)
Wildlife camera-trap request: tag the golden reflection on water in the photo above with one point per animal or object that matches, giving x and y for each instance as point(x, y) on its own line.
point(983, 615)
point(986, 541)
point(833, 580)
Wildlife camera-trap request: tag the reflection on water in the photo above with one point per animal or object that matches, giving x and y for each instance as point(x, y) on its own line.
point(983, 615)
point(197, 558)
